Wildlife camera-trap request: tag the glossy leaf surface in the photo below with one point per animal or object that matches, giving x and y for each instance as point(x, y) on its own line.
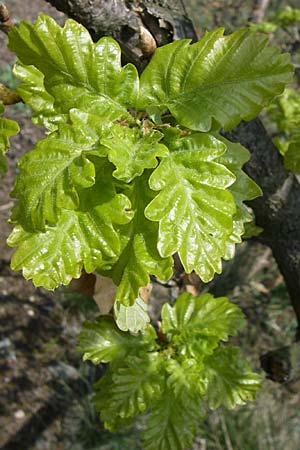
point(132, 318)
point(52, 174)
point(103, 341)
point(139, 257)
point(131, 151)
point(243, 189)
point(33, 93)
point(86, 238)
point(230, 379)
point(221, 79)
point(129, 391)
point(173, 421)
point(194, 208)
point(76, 71)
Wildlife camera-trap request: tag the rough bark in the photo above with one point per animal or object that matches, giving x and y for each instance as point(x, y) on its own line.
point(138, 26)
point(278, 210)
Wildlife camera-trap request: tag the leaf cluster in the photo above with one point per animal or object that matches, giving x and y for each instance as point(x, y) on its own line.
point(134, 170)
point(169, 376)
point(284, 112)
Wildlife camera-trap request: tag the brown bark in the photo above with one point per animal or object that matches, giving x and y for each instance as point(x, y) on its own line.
point(133, 23)
point(278, 211)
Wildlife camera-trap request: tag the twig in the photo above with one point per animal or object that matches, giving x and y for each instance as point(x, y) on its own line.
point(9, 96)
point(5, 21)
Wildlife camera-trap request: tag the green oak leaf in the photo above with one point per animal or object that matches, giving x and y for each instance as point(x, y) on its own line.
point(230, 379)
point(129, 390)
point(131, 151)
point(207, 314)
point(194, 208)
point(222, 79)
point(243, 189)
point(133, 318)
point(51, 176)
point(103, 341)
point(173, 420)
point(139, 257)
point(292, 157)
point(7, 129)
point(197, 324)
point(76, 70)
point(33, 93)
point(85, 238)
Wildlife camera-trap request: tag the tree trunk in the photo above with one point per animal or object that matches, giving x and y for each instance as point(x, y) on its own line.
point(142, 25)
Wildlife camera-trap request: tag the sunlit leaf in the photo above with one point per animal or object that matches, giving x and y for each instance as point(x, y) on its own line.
point(76, 70)
point(140, 256)
point(133, 318)
point(194, 208)
point(51, 176)
point(85, 238)
point(243, 189)
point(222, 79)
point(131, 151)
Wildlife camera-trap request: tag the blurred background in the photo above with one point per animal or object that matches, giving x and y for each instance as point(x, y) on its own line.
point(46, 390)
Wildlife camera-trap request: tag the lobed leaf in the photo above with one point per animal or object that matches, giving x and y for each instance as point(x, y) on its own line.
point(194, 208)
point(132, 389)
point(173, 420)
point(131, 152)
point(139, 257)
point(76, 70)
point(220, 79)
point(32, 91)
point(86, 238)
point(52, 175)
point(195, 325)
point(230, 379)
point(132, 318)
point(243, 189)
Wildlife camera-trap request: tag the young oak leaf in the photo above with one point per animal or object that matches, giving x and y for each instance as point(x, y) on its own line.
point(131, 151)
point(33, 93)
point(230, 379)
point(7, 129)
point(129, 390)
point(139, 257)
point(133, 318)
point(194, 207)
point(173, 420)
point(197, 324)
point(85, 238)
point(243, 189)
point(76, 70)
point(103, 341)
point(222, 79)
point(52, 174)
point(206, 314)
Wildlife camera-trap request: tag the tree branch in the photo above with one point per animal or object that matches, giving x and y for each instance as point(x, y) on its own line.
point(8, 96)
point(277, 211)
point(138, 26)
